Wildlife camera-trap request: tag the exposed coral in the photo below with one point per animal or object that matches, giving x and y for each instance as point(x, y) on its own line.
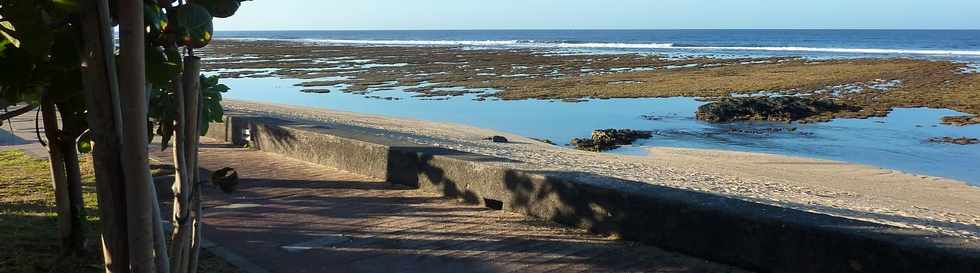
point(875, 86)
point(769, 109)
point(608, 139)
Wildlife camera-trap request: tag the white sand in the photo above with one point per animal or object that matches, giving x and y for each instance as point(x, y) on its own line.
point(830, 187)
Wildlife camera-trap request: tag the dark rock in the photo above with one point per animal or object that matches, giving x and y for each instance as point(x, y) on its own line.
point(608, 139)
point(955, 140)
point(382, 98)
point(760, 131)
point(315, 90)
point(961, 120)
point(498, 139)
point(768, 109)
point(651, 117)
point(226, 179)
point(544, 140)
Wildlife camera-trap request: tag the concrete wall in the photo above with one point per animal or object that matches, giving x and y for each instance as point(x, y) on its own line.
point(751, 235)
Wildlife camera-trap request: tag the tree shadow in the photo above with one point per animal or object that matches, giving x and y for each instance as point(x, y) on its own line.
point(9, 139)
point(738, 232)
point(31, 244)
point(751, 235)
point(349, 227)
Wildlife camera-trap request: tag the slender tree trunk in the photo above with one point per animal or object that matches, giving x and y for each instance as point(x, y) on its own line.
point(192, 87)
point(180, 234)
point(186, 214)
point(16, 112)
point(73, 175)
point(75, 199)
point(59, 177)
point(105, 122)
point(159, 239)
point(135, 159)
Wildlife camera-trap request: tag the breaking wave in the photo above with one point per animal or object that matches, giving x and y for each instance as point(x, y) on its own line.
point(597, 45)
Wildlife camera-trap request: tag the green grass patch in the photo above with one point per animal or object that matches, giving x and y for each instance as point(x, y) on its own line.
point(28, 223)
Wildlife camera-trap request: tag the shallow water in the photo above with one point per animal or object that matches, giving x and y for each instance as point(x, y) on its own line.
point(898, 141)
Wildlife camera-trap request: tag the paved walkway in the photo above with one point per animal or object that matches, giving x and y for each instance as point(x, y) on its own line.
point(18, 134)
point(293, 216)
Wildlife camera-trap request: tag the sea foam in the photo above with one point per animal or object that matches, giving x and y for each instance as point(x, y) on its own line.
point(594, 45)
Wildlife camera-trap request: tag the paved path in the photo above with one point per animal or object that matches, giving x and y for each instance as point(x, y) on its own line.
point(18, 133)
point(293, 216)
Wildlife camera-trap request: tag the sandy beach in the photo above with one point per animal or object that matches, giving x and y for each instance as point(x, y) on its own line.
point(836, 188)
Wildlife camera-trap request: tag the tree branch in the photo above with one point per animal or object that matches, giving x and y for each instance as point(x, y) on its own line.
point(18, 112)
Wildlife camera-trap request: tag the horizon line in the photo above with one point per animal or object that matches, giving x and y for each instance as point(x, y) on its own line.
point(599, 29)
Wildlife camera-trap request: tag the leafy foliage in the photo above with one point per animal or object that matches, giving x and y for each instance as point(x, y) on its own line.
point(163, 100)
point(38, 51)
point(211, 91)
point(220, 8)
point(42, 64)
point(192, 25)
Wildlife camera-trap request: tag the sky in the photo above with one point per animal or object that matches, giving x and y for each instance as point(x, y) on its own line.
point(602, 14)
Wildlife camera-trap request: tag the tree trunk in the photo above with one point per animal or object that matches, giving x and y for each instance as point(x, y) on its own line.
point(105, 122)
point(69, 150)
point(75, 198)
point(192, 87)
point(135, 159)
point(186, 216)
point(59, 177)
point(179, 236)
point(16, 112)
point(159, 239)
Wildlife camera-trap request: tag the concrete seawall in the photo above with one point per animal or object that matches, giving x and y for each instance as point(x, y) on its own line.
point(751, 235)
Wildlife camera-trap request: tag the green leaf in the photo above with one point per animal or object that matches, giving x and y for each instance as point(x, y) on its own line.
point(9, 39)
point(7, 25)
point(192, 23)
point(211, 110)
point(159, 71)
point(220, 8)
point(32, 32)
point(84, 143)
point(154, 20)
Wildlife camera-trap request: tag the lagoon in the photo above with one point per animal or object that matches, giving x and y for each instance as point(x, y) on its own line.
point(898, 141)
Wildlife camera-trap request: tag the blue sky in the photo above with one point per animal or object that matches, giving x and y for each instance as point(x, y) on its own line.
point(603, 14)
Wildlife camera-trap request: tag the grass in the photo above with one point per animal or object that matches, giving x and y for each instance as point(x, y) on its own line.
point(28, 225)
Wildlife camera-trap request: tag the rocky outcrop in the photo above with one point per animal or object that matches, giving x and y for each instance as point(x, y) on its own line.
point(955, 140)
point(315, 90)
point(768, 109)
point(497, 139)
point(608, 139)
point(544, 140)
point(961, 120)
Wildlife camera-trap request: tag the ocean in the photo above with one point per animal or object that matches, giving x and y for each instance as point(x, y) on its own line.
point(958, 45)
point(898, 141)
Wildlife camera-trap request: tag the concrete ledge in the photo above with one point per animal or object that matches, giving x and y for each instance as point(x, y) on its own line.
point(751, 235)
